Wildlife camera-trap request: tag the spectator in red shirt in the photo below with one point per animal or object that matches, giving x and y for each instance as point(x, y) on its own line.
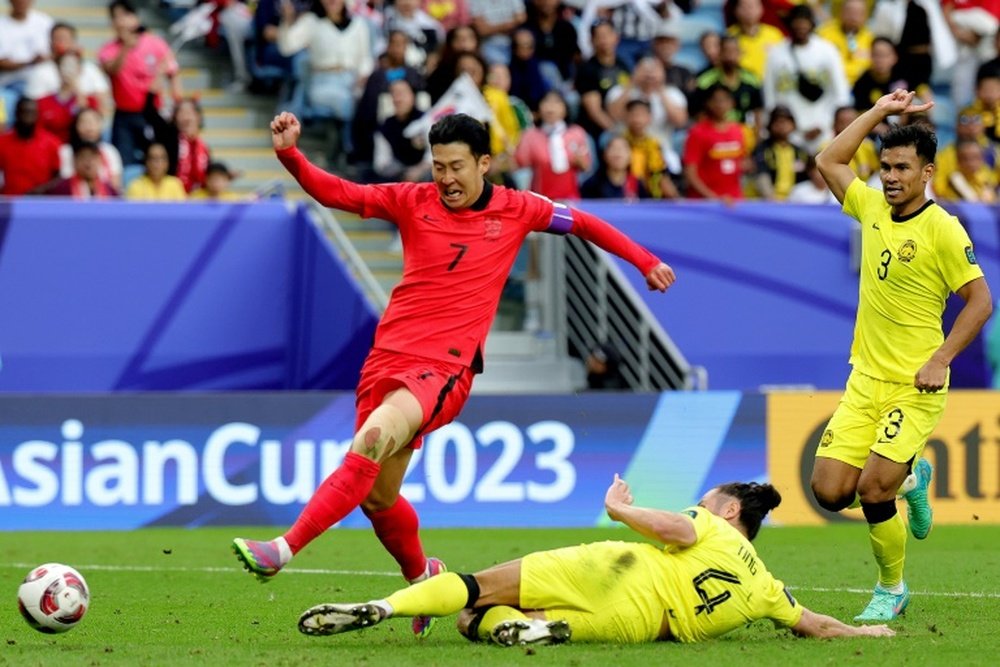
point(86, 181)
point(188, 153)
point(461, 235)
point(88, 128)
point(555, 152)
point(29, 156)
point(134, 60)
point(715, 150)
point(57, 111)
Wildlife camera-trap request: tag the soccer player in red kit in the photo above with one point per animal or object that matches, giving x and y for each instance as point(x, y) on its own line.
point(460, 236)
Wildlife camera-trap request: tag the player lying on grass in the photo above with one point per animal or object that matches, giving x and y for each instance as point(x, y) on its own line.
point(707, 581)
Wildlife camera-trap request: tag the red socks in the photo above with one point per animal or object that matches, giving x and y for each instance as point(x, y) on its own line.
point(396, 528)
point(339, 493)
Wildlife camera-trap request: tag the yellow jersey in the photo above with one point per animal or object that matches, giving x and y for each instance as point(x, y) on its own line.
point(719, 583)
point(909, 267)
point(168, 189)
point(754, 48)
point(855, 50)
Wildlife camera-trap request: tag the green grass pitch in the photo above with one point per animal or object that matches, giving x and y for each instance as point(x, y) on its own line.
point(179, 597)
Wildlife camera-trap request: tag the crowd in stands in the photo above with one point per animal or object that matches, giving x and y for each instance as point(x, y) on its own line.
point(587, 98)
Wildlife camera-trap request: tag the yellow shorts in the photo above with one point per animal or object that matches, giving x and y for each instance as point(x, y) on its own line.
point(890, 419)
point(603, 590)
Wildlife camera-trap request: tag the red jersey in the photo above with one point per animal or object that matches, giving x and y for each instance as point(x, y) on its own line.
point(717, 155)
point(27, 163)
point(455, 262)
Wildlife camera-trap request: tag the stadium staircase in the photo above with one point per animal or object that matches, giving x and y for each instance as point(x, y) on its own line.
point(236, 124)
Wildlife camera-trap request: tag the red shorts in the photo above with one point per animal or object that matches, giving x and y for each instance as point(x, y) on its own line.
point(441, 388)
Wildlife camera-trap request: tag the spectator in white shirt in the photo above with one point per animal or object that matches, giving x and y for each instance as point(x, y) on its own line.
point(494, 21)
point(24, 42)
point(340, 60)
point(44, 77)
point(806, 74)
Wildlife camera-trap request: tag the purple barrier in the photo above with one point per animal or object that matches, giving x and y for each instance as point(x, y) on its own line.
point(146, 297)
point(765, 293)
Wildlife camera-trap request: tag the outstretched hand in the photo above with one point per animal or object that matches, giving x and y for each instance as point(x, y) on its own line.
point(619, 495)
point(285, 131)
point(876, 631)
point(660, 278)
point(901, 101)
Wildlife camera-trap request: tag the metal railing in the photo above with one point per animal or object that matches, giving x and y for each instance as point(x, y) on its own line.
point(601, 307)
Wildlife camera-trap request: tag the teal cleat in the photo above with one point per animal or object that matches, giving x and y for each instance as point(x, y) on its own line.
point(885, 606)
point(918, 507)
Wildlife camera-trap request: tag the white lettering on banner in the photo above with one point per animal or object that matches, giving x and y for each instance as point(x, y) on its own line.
point(115, 472)
point(556, 460)
point(465, 463)
point(493, 485)
point(115, 482)
point(155, 456)
point(304, 481)
point(28, 463)
point(72, 457)
point(214, 468)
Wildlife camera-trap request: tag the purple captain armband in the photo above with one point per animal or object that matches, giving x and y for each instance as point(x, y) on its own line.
point(561, 221)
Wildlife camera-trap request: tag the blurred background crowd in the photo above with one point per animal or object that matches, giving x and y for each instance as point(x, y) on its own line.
point(634, 99)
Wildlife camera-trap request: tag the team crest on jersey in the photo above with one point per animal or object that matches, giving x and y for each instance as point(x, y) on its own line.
point(907, 251)
point(970, 255)
point(827, 438)
point(491, 228)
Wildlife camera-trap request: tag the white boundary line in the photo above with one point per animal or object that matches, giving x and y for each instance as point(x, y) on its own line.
point(372, 573)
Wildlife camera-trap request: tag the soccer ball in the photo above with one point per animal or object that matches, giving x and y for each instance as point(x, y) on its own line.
point(53, 598)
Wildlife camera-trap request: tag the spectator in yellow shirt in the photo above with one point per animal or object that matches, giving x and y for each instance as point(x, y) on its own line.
point(648, 165)
point(218, 180)
point(968, 128)
point(972, 180)
point(156, 184)
point(755, 38)
point(852, 39)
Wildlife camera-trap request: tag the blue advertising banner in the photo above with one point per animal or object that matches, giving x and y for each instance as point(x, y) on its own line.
point(765, 293)
point(116, 296)
point(126, 461)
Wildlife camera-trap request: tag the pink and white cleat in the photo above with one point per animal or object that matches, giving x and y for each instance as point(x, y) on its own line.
point(422, 625)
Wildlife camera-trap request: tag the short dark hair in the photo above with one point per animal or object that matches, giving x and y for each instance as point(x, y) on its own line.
point(638, 102)
point(62, 25)
point(716, 87)
point(885, 40)
point(918, 135)
point(800, 12)
point(461, 128)
point(84, 146)
point(599, 22)
point(121, 4)
point(756, 500)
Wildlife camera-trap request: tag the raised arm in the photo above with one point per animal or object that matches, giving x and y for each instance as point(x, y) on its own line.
point(825, 627)
point(329, 190)
point(659, 276)
point(660, 525)
point(835, 160)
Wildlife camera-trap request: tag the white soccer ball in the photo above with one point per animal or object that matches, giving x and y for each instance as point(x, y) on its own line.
point(53, 598)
